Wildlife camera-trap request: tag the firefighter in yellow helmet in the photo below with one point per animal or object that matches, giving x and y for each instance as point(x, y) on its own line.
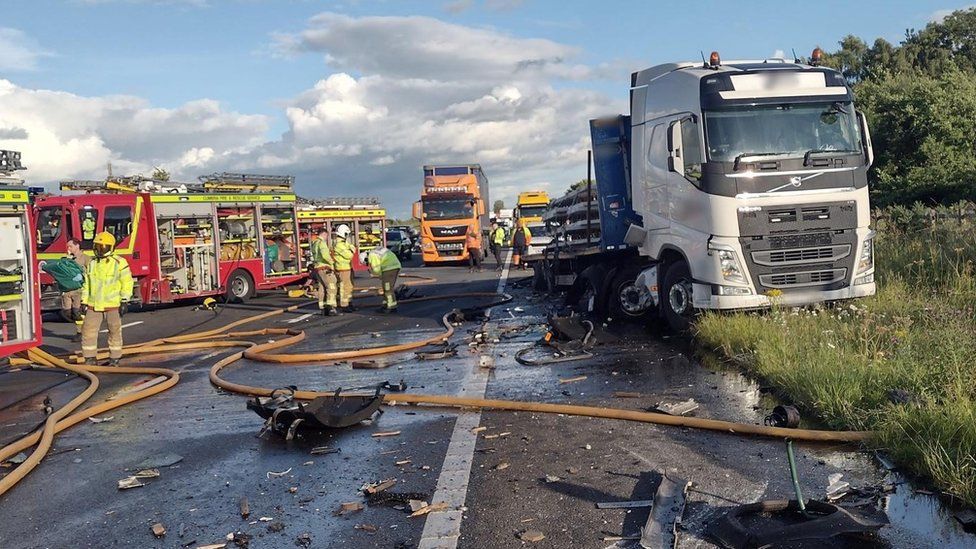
point(105, 293)
point(342, 253)
point(384, 264)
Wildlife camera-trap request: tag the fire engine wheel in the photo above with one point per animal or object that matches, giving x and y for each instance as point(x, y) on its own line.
point(627, 301)
point(240, 287)
point(676, 294)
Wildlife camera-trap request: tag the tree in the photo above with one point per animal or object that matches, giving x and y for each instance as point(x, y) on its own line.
point(576, 186)
point(160, 174)
point(498, 207)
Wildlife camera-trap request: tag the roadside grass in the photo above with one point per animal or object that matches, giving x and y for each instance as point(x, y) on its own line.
point(901, 363)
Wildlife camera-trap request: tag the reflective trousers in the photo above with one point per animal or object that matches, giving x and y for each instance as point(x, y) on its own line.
point(389, 278)
point(345, 288)
point(327, 288)
point(91, 326)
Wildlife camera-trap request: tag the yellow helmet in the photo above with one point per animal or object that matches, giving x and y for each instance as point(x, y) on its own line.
point(105, 238)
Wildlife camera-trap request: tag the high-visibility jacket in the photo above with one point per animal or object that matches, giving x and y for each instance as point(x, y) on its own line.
point(321, 254)
point(522, 237)
point(88, 228)
point(472, 240)
point(108, 282)
point(342, 252)
point(382, 260)
point(498, 237)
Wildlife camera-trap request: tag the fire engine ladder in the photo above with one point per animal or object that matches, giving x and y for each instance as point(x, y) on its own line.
point(122, 185)
point(360, 202)
point(246, 182)
point(9, 164)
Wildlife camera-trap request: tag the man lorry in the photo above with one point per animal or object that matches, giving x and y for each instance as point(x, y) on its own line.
point(529, 210)
point(20, 307)
point(729, 186)
point(230, 234)
point(452, 202)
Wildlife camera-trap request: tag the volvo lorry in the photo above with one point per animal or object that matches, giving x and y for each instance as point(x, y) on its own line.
point(20, 307)
point(452, 203)
point(729, 186)
point(529, 210)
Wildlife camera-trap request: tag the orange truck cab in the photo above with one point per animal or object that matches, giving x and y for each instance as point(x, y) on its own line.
point(452, 203)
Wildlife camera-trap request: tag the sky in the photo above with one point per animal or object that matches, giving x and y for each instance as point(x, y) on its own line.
point(353, 97)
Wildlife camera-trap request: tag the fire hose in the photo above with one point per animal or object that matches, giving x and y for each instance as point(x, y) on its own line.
point(63, 418)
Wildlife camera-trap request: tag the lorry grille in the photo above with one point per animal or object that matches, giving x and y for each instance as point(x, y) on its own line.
point(803, 278)
point(456, 230)
point(449, 249)
point(801, 256)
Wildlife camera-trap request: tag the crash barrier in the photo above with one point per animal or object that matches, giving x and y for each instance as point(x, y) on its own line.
point(63, 418)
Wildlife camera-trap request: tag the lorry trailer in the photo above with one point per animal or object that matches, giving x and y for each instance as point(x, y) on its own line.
point(20, 307)
point(231, 234)
point(729, 186)
point(452, 203)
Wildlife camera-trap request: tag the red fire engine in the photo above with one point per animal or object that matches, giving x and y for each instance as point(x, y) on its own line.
point(20, 308)
point(365, 217)
point(230, 234)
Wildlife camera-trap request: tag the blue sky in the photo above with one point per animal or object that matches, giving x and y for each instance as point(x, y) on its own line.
point(252, 58)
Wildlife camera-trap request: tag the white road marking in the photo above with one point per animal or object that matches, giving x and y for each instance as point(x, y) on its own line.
point(442, 529)
point(299, 319)
point(129, 325)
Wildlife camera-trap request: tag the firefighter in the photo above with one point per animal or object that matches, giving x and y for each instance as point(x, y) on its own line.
point(384, 264)
point(88, 226)
point(323, 271)
point(342, 253)
point(69, 273)
point(520, 245)
point(105, 292)
point(497, 239)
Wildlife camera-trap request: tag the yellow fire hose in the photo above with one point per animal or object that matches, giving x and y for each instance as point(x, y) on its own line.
point(222, 337)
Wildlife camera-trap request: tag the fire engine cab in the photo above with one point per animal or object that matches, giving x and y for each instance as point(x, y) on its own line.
point(231, 234)
point(20, 308)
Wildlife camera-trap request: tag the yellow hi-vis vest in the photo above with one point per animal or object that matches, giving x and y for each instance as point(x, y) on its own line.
point(382, 260)
point(321, 254)
point(342, 252)
point(108, 282)
point(498, 237)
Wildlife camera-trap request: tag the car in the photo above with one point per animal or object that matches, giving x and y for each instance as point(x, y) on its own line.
point(411, 232)
point(398, 241)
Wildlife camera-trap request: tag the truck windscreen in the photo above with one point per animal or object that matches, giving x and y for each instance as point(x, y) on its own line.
point(790, 130)
point(448, 208)
point(532, 211)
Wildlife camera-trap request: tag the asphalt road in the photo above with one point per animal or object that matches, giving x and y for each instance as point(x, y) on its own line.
point(522, 472)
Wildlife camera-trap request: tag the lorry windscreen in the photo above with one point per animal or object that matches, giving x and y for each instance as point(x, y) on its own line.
point(532, 211)
point(791, 129)
point(448, 208)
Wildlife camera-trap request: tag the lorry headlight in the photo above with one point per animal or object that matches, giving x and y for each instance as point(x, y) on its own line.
point(729, 264)
point(734, 290)
point(427, 244)
point(866, 279)
point(866, 259)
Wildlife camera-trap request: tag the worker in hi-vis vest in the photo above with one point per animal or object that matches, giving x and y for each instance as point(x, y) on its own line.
point(384, 264)
point(342, 252)
point(105, 293)
point(497, 240)
point(323, 271)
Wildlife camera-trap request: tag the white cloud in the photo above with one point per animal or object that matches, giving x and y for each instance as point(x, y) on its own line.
point(939, 16)
point(19, 52)
point(70, 136)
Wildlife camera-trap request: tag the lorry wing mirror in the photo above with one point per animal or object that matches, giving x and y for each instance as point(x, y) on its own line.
point(481, 207)
point(417, 211)
point(866, 136)
point(676, 162)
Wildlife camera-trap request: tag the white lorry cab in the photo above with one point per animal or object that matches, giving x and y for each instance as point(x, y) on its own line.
point(733, 186)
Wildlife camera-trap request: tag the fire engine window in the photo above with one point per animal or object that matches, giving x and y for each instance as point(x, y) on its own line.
point(118, 222)
point(88, 219)
point(50, 227)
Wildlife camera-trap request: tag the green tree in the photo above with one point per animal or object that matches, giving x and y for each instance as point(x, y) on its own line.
point(498, 207)
point(159, 174)
point(578, 185)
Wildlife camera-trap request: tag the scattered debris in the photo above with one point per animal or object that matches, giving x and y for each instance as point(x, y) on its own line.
point(368, 528)
point(368, 365)
point(403, 462)
point(319, 450)
point(239, 539)
point(661, 529)
point(94, 419)
point(966, 517)
point(676, 408)
point(626, 394)
point(625, 504)
point(477, 430)
point(551, 478)
point(837, 488)
point(531, 536)
point(572, 379)
point(486, 361)
point(265, 519)
point(304, 540)
point(429, 509)
point(135, 481)
point(416, 505)
point(18, 459)
point(245, 508)
point(293, 489)
point(212, 546)
point(783, 416)
point(377, 487)
point(139, 387)
point(284, 416)
point(155, 462)
point(621, 538)
point(158, 530)
point(386, 434)
point(502, 466)
point(273, 474)
point(346, 508)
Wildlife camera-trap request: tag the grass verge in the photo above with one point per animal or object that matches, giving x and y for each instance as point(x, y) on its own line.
point(902, 363)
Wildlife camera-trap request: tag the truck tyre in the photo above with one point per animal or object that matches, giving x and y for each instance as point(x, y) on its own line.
point(589, 294)
point(539, 277)
point(625, 301)
point(240, 287)
point(676, 297)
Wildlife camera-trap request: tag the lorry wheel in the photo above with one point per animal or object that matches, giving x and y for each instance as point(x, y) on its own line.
point(539, 277)
point(590, 297)
point(676, 297)
point(625, 300)
point(240, 287)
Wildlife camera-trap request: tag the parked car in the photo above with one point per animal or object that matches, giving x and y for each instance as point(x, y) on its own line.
point(398, 241)
point(412, 233)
